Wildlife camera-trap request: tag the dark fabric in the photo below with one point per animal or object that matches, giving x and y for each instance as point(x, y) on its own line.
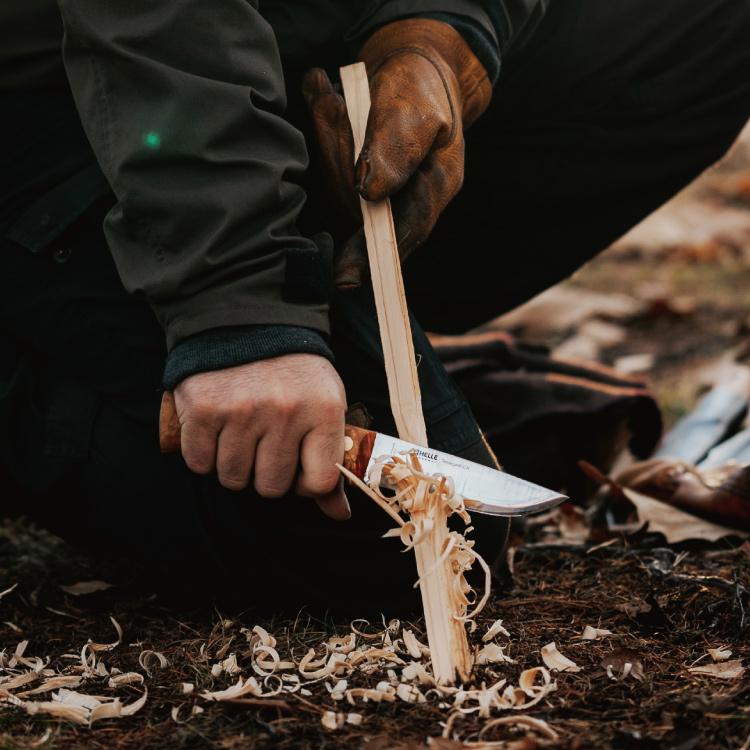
point(84, 428)
point(227, 347)
point(485, 47)
point(570, 410)
point(610, 109)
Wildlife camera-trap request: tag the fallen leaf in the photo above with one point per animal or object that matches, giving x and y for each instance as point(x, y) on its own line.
point(675, 524)
point(86, 587)
point(726, 670)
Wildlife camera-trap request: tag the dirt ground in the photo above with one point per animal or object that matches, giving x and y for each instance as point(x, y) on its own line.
point(687, 271)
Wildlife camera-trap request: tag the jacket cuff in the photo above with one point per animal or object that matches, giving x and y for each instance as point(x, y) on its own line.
point(484, 45)
point(220, 348)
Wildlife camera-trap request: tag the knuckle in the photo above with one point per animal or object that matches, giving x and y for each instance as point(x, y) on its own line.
point(272, 489)
point(233, 483)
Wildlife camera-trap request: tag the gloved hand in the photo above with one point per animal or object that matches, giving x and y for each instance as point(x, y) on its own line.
point(426, 87)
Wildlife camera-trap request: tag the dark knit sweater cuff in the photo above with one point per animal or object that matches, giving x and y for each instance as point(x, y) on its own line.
point(228, 347)
point(482, 44)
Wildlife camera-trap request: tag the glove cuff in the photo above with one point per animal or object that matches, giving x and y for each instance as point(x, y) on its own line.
point(440, 43)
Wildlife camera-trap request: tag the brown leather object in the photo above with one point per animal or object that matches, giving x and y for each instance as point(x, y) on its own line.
point(721, 495)
point(426, 86)
point(543, 414)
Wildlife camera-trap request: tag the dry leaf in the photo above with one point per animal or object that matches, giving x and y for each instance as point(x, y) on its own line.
point(675, 524)
point(86, 587)
point(555, 660)
point(726, 670)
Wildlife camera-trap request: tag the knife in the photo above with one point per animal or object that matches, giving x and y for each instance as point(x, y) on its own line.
point(484, 490)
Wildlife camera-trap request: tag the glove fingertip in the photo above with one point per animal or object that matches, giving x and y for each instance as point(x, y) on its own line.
point(315, 83)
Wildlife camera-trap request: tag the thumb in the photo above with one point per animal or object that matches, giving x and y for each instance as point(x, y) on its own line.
point(335, 504)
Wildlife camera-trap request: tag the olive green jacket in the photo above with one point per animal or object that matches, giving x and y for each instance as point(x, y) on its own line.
point(183, 103)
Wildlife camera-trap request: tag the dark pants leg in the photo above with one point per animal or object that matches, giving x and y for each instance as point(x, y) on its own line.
point(611, 109)
point(84, 440)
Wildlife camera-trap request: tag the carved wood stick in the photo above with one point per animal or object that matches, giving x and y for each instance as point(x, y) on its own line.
point(446, 636)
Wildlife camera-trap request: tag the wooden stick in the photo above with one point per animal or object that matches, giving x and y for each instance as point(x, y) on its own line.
point(449, 646)
point(388, 285)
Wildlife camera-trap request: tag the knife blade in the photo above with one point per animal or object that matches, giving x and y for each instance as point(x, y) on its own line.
point(484, 490)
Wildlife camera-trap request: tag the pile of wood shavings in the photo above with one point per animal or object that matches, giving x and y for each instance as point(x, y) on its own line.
point(22, 677)
point(337, 678)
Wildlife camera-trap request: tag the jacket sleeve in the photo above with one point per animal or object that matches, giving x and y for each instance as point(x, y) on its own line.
point(506, 24)
point(182, 101)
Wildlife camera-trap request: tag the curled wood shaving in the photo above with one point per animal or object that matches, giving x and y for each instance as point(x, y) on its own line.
point(413, 646)
point(84, 709)
point(8, 590)
point(249, 686)
point(555, 660)
point(541, 726)
point(494, 629)
point(387, 694)
point(53, 683)
point(410, 693)
point(493, 654)
point(342, 645)
point(96, 647)
point(149, 659)
point(593, 634)
point(126, 678)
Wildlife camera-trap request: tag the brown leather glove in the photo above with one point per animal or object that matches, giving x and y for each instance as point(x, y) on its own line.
point(426, 87)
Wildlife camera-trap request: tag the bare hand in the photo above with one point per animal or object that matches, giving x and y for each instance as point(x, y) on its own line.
point(269, 419)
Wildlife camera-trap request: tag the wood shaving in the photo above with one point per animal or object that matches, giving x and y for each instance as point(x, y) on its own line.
point(556, 661)
point(541, 726)
point(96, 647)
point(623, 663)
point(413, 646)
point(493, 654)
point(8, 590)
point(149, 659)
point(443, 557)
point(593, 634)
point(719, 654)
point(494, 629)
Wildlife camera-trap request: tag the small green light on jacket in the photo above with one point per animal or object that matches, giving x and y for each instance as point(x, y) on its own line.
point(152, 140)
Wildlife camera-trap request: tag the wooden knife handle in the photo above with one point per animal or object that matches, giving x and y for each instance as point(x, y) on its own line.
point(358, 442)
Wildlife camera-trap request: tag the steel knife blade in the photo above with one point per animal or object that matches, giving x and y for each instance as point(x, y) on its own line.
point(485, 490)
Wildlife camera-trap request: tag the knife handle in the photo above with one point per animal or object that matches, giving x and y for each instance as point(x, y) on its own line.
point(358, 442)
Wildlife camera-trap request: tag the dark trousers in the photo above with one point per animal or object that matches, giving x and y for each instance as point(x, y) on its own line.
point(611, 109)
